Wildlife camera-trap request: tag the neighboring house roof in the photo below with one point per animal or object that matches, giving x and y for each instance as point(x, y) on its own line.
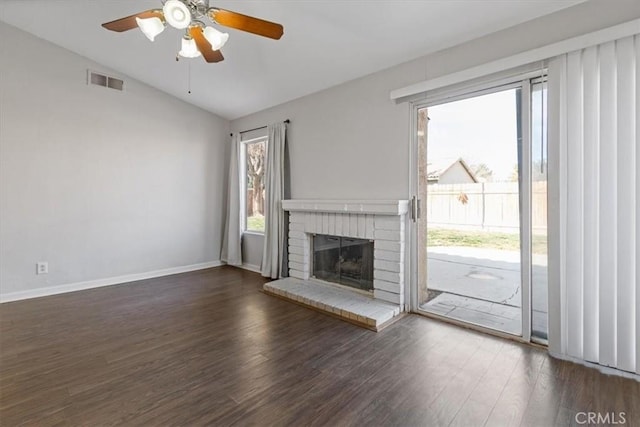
point(439, 167)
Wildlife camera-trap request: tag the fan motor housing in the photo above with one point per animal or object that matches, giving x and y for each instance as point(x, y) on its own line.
point(198, 8)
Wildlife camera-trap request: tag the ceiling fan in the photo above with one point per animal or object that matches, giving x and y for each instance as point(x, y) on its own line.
point(199, 39)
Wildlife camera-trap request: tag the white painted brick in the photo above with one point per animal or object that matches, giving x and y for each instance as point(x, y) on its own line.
point(332, 224)
point(388, 245)
point(383, 285)
point(302, 259)
point(385, 317)
point(362, 226)
point(345, 225)
point(386, 223)
point(297, 250)
point(396, 267)
point(297, 235)
point(310, 223)
point(388, 296)
point(369, 226)
point(298, 266)
point(353, 225)
point(388, 255)
point(298, 274)
point(296, 218)
point(338, 225)
point(388, 232)
point(394, 236)
point(297, 242)
point(387, 276)
point(296, 226)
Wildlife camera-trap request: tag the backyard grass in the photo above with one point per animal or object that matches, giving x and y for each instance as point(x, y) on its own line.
point(255, 223)
point(482, 239)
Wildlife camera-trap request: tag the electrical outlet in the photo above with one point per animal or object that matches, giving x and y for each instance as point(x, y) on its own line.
point(42, 267)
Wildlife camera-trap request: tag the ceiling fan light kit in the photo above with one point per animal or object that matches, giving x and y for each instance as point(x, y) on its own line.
point(150, 27)
point(215, 37)
point(177, 14)
point(199, 40)
point(189, 48)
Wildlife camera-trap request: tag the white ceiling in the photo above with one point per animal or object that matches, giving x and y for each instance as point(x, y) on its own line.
point(325, 42)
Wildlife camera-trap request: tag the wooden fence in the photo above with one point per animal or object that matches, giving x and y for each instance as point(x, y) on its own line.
point(491, 206)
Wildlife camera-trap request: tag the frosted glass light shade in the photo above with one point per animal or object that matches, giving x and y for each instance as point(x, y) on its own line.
point(215, 37)
point(177, 14)
point(150, 27)
point(189, 48)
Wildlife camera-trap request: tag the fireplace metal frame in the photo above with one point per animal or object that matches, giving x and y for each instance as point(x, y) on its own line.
point(368, 292)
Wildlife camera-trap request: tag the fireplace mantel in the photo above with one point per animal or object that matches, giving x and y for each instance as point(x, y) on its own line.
point(369, 207)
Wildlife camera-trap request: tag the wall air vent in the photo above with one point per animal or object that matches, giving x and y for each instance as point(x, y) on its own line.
point(98, 79)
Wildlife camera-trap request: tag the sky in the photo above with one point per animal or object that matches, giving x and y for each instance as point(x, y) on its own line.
point(479, 130)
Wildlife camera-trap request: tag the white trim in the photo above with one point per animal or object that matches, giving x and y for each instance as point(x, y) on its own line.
point(250, 267)
point(98, 283)
point(484, 85)
point(576, 43)
point(411, 260)
point(524, 193)
point(604, 369)
point(375, 207)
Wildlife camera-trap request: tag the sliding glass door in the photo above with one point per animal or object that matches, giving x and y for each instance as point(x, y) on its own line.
point(481, 188)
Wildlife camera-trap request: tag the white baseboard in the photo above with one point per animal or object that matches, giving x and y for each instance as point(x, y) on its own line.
point(250, 267)
point(90, 284)
point(604, 369)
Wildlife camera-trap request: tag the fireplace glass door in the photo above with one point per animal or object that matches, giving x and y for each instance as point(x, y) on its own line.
point(343, 260)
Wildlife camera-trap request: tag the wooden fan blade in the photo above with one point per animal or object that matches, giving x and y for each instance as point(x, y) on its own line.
point(129, 23)
point(204, 46)
point(246, 23)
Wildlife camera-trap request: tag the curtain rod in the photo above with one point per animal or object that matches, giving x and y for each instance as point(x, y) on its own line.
point(261, 127)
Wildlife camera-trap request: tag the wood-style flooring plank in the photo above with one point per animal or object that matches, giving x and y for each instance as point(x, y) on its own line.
point(209, 348)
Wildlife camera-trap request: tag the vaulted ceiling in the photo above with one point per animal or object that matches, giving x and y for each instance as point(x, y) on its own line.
point(325, 42)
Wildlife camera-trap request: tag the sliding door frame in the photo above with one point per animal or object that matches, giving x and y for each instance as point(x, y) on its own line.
point(522, 82)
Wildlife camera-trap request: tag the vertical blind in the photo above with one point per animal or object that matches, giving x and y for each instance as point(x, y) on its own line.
point(594, 104)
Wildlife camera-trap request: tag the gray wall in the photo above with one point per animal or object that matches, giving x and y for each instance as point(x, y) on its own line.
point(351, 141)
point(99, 183)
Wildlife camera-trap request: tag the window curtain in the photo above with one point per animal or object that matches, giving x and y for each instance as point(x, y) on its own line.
point(594, 278)
point(274, 227)
point(232, 239)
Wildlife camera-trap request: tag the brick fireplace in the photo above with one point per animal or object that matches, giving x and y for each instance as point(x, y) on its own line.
point(382, 221)
point(379, 221)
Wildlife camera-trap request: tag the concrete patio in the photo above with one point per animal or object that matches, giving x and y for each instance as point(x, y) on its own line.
point(482, 286)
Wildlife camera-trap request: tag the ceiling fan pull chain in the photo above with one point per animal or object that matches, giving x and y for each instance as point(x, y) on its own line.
point(189, 77)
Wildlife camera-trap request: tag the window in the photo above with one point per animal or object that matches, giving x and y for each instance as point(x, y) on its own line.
point(254, 153)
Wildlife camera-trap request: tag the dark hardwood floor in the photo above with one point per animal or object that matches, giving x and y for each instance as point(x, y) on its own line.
point(208, 347)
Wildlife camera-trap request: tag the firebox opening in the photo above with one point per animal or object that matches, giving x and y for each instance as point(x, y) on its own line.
point(343, 260)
